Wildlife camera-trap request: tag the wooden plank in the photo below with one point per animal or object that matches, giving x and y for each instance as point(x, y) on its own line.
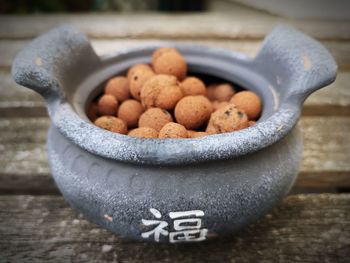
point(336, 94)
point(324, 180)
point(24, 168)
point(9, 48)
point(303, 228)
point(16, 101)
point(339, 49)
point(24, 164)
point(240, 23)
point(13, 95)
point(326, 144)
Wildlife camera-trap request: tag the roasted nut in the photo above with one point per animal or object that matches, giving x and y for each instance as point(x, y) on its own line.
point(227, 119)
point(193, 111)
point(248, 102)
point(135, 68)
point(196, 134)
point(161, 91)
point(224, 92)
point(112, 124)
point(107, 105)
point(118, 87)
point(211, 91)
point(173, 130)
point(164, 87)
point(130, 112)
point(171, 63)
point(155, 118)
point(193, 86)
point(144, 132)
point(161, 51)
point(138, 77)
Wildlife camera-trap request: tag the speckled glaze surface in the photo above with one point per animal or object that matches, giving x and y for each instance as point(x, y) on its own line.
point(174, 190)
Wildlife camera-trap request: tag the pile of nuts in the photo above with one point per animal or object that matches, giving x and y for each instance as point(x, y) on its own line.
point(161, 101)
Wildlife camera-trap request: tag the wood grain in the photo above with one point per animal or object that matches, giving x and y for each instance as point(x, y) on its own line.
point(303, 228)
point(339, 49)
point(240, 23)
point(24, 168)
point(9, 48)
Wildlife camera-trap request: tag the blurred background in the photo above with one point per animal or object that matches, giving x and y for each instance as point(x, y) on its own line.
point(336, 9)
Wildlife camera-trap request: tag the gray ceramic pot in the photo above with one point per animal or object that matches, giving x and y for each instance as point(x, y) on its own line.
point(174, 190)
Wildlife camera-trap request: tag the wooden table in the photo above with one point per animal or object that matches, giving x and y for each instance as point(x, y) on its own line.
point(310, 225)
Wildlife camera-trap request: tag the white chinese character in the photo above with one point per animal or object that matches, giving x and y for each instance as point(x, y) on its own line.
point(196, 235)
point(188, 229)
point(187, 226)
point(159, 229)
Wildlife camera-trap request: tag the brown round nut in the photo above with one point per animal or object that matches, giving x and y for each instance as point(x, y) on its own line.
point(196, 134)
point(118, 87)
point(218, 104)
point(171, 63)
point(224, 92)
point(161, 91)
point(248, 102)
point(107, 105)
point(92, 112)
point(161, 51)
point(193, 111)
point(211, 91)
point(227, 119)
point(138, 77)
point(193, 86)
point(135, 68)
point(112, 124)
point(130, 112)
point(169, 97)
point(144, 132)
point(173, 130)
point(155, 118)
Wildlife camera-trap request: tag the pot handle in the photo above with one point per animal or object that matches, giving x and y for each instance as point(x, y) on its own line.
point(298, 63)
point(59, 58)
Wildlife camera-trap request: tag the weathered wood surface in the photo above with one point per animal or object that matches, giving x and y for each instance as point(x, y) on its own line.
point(303, 228)
point(340, 50)
point(24, 168)
point(240, 23)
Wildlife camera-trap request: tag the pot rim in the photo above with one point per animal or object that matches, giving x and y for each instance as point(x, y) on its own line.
point(47, 63)
point(176, 151)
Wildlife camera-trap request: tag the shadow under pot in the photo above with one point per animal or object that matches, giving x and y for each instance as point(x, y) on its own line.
point(174, 190)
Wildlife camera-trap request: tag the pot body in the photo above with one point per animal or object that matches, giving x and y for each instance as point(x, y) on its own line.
point(174, 190)
point(180, 203)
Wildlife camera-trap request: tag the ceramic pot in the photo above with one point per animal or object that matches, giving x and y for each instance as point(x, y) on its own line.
point(174, 190)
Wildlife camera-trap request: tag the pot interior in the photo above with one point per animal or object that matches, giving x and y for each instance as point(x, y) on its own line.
point(237, 71)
